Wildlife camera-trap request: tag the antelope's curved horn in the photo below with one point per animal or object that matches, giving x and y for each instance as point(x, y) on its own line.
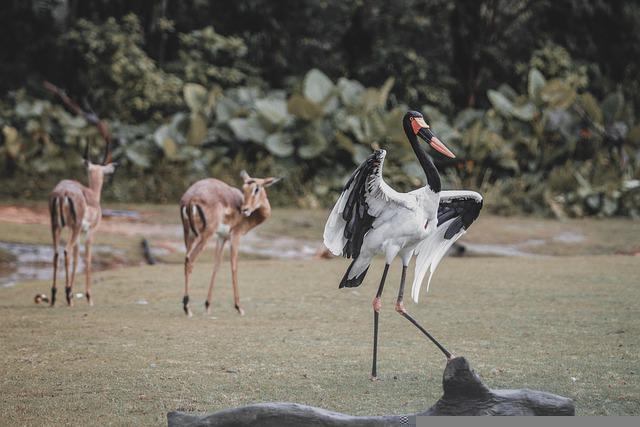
point(86, 152)
point(104, 131)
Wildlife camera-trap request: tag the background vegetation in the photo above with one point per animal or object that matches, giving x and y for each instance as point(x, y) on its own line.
point(537, 98)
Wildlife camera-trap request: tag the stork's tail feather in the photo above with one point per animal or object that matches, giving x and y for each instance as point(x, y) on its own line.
point(354, 282)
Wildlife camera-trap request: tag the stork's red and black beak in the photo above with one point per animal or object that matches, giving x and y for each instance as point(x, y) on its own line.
point(421, 128)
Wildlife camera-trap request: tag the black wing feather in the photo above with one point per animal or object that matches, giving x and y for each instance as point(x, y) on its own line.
point(355, 212)
point(463, 209)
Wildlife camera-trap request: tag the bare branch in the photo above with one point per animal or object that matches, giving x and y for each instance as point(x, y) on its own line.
point(89, 116)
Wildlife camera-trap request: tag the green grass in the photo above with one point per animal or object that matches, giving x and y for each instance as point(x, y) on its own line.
point(565, 324)
point(521, 322)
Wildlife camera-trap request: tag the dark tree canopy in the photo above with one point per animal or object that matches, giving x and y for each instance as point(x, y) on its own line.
point(447, 52)
point(525, 91)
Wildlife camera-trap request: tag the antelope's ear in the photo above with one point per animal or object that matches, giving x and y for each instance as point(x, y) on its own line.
point(244, 175)
point(270, 181)
point(110, 168)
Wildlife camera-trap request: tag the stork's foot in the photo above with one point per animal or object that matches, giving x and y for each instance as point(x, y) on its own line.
point(374, 379)
point(400, 307)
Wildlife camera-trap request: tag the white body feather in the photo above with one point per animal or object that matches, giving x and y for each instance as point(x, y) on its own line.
point(405, 224)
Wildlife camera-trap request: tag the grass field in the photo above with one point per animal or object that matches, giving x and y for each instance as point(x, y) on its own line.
point(565, 324)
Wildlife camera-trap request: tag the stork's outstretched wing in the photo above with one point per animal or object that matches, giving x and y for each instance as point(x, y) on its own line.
point(365, 197)
point(456, 212)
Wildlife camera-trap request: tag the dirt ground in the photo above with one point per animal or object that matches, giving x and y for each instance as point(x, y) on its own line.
point(566, 324)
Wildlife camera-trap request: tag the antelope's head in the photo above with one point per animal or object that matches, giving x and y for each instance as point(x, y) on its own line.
point(97, 171)
point(254, 192)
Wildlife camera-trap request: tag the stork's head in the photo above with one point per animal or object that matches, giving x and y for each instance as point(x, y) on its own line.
point(415, 125)
point(254, 194)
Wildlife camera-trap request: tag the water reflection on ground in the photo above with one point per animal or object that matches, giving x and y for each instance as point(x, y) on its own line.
point(34, 262)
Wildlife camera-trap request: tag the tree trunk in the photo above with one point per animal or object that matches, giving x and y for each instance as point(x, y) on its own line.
point(464, 394)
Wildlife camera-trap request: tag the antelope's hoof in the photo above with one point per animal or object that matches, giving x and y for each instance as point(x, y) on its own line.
point(185, 306)
point(240, 310)
point(374, 379)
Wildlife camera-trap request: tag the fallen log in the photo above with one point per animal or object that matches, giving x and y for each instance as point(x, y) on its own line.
point(146, 251)
point(464, 394)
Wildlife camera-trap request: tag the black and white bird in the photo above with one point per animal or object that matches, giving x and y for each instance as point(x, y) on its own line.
point(372, 218)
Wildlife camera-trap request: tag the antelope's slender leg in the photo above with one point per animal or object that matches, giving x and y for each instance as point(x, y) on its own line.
point(400, 309)
point(189, 240)
point(56, 253)
point(188, 268)
point(235, 242)
point(74, 265)
point(87, 266)
point(198, 245)
point(71, 246)
point(217, 257)
point(377, 305)
point(66, 274)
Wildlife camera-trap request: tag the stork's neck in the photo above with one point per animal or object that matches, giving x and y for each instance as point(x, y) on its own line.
point(433, 177)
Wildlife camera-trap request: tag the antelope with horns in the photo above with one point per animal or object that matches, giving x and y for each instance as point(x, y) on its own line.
point(211, 207)
point(77, 207)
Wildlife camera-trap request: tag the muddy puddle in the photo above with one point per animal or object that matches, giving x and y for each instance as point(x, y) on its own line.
point(257, 245)
point(508, 250)
point(21, 262)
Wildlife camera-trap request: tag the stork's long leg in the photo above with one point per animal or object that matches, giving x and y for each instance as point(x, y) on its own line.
point(377, 304)
point(400, 309)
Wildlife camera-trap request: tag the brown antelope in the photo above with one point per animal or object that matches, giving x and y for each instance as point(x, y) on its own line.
point(77, 207)
point(212, 207)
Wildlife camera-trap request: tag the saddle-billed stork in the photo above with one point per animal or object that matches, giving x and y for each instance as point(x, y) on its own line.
point(372, 218)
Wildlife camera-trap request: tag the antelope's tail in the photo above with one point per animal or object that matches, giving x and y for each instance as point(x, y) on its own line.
point(57, 212)
point(188, 212)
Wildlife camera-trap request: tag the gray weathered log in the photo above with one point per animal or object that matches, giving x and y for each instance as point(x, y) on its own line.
point(464, 394)
point(146, 251)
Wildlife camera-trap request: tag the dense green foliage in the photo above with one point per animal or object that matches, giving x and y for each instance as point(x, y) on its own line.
point(536, 98)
